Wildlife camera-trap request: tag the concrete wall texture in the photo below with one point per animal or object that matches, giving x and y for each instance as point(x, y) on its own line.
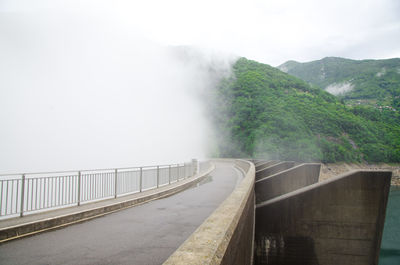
point(226, 237)
point(264, 165)
point(338, 221)
point(274, 169)
point(286, 181)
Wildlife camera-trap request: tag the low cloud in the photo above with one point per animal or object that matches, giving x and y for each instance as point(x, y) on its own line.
point(338, 89)
point(82, 93)
point(381, 73)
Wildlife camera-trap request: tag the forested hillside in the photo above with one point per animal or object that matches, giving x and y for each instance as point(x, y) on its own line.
point(371, 82)
point(262, 112)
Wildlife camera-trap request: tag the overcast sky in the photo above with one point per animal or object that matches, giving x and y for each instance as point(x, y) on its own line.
point(271, 31)
point(89, 83)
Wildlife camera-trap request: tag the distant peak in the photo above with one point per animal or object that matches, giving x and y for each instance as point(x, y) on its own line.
point(333, 58)
point(285, 67)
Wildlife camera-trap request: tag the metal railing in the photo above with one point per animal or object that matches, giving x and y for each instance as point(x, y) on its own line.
point(34, 192)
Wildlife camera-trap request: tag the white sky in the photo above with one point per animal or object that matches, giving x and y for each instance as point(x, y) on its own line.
point(86, 84)
point(271, 31)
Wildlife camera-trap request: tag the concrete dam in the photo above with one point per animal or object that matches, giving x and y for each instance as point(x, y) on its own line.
point(271, 212)
point(303, 221)
point(280, 214)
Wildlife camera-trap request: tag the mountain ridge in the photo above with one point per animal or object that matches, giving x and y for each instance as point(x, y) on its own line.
point(261, 111)
point(373, 82)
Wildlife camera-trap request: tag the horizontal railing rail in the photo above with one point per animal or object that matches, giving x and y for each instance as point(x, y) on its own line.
point(33, 192)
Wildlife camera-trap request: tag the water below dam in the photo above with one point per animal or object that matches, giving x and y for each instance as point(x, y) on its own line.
point(390, 247)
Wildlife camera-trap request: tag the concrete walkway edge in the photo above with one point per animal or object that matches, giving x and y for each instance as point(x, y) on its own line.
point(226, 236)
point(39, 226)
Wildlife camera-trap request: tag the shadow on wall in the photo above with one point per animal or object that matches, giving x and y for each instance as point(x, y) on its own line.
point(338, 221)
point(276, 249)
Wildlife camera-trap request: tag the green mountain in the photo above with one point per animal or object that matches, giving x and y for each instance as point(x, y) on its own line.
point(371, 82)
point(260, 111)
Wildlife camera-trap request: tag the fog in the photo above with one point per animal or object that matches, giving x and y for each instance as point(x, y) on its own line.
point(382, 72)
point(339, 89)
point(79, 92)
point(86, 84)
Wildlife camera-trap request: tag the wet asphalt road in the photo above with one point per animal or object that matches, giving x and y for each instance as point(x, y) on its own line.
point(145, 234)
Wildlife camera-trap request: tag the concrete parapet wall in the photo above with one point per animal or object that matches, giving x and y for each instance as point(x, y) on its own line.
point(258, 162)
point(338, 221)
point(243, 165)
point(274, 169)
point(266, 164)
point(286, 181)
point(226, 236)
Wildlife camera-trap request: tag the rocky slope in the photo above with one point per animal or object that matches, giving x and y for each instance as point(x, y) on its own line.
point(333, 169)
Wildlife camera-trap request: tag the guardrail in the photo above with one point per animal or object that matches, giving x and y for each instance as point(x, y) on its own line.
point(33, 192)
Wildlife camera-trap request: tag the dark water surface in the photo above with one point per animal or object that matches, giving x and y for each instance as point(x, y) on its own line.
point(390, 247)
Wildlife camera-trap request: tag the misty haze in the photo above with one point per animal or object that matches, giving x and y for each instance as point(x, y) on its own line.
point(80, 94)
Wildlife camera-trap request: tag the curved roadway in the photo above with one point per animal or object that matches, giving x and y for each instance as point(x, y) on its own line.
point(145, 234)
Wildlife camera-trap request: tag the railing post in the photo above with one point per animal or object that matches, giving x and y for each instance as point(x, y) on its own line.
point(79, 188)
point(169, 174)
point(195, 166)
point(116, 183)
point(22, 195)
point(158, 176)
point(177, 169)
point(140, 180)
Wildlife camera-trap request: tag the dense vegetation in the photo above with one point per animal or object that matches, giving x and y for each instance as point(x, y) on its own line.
point(374, 81)
point(262, 112)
